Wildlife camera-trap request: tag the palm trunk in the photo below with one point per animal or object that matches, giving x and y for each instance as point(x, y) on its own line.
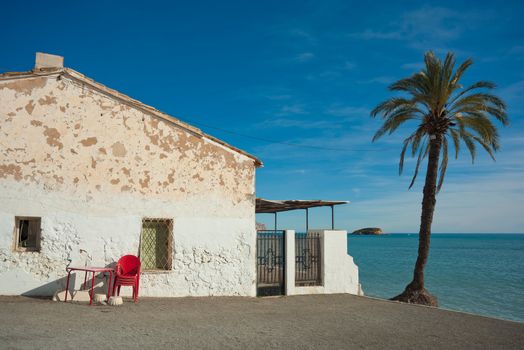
point(426, 217)
point(415, 291)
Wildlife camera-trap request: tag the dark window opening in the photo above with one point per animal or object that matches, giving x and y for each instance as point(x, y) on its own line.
point(27, 233)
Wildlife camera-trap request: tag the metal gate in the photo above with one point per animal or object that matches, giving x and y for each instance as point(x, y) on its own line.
point(271, 263)
point(307, 259)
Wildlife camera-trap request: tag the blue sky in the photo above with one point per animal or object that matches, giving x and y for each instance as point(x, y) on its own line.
point(305, 73)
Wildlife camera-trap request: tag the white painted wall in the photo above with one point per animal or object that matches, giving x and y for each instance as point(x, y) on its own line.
point(92, 168)
point(339, 271)
point(213, 255)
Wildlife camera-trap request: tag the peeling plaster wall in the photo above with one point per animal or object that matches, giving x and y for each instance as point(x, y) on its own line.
point(92, 167)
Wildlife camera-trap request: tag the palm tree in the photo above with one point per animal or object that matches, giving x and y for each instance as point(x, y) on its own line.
point(445, 111)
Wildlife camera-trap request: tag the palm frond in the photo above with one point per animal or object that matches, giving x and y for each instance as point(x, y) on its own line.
point(444, 108)
point(499, 114)
point(421, 155)
point(405, 145)
point(416, 85)
point(487, 147)
point(394, 121)
point(445, 89)
point(460, 71)
point(479, 100)
point(443, 164)
point(455, 136)
point(468, 140)
point(386, 107)
point(479, 123)
point(416, 141)
point(478, 85)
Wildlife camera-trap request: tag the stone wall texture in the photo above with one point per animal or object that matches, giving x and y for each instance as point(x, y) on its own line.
point(92, 166)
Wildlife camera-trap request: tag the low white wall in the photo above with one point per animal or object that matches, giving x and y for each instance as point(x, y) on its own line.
point(339, 271)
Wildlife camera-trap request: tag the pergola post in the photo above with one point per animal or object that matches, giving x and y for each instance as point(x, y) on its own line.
point(307, 220)
point(275, 220)
point(332, 217)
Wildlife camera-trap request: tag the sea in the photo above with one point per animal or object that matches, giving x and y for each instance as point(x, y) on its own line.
point(476, 273)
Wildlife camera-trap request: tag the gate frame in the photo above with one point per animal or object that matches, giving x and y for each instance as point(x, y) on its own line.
point(283, 284)
point(316, 239)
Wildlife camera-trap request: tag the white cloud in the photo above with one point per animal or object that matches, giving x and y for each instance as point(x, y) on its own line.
point(298, 123)
point(348, 65)
point(326, 147)
point(517, 50)
point(324, 75)
point(291, 109)
point(369, 34)
point(514, 140)
point(301, 33)
point(279, 97)
point(427, 27)
point(304, 57)
point(414, 66)
point(486, 204)
point(514, 91)
point(262, 93)
point(513, 94)
point(378, 80)
point(348, 111)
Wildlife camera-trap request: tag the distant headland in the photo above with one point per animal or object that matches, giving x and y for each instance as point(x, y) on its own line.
point(369, 231)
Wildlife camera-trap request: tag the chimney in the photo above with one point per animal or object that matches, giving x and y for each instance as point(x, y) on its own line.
point(47, 61)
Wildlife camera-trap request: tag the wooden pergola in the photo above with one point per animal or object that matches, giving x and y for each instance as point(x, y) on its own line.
point(276, 206)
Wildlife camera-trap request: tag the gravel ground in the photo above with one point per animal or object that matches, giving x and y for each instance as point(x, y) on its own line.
point(299, 322)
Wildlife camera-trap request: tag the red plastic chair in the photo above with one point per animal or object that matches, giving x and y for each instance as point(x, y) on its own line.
point(127, 274)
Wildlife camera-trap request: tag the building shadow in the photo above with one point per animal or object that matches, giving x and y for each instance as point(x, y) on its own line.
point(48, 290)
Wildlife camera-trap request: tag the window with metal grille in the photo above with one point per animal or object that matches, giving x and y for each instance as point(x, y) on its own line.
point(27, 232)
point(156, 244)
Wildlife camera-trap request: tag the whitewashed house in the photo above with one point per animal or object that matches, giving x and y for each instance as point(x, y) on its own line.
point(88, 174)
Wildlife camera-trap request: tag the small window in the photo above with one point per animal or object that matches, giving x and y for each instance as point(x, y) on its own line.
point(27, 233)
point(156, 244)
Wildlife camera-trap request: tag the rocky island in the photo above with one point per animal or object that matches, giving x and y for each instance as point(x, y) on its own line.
point(369, 231)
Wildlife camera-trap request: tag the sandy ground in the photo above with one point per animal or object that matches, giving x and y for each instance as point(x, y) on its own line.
point(300, 322)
